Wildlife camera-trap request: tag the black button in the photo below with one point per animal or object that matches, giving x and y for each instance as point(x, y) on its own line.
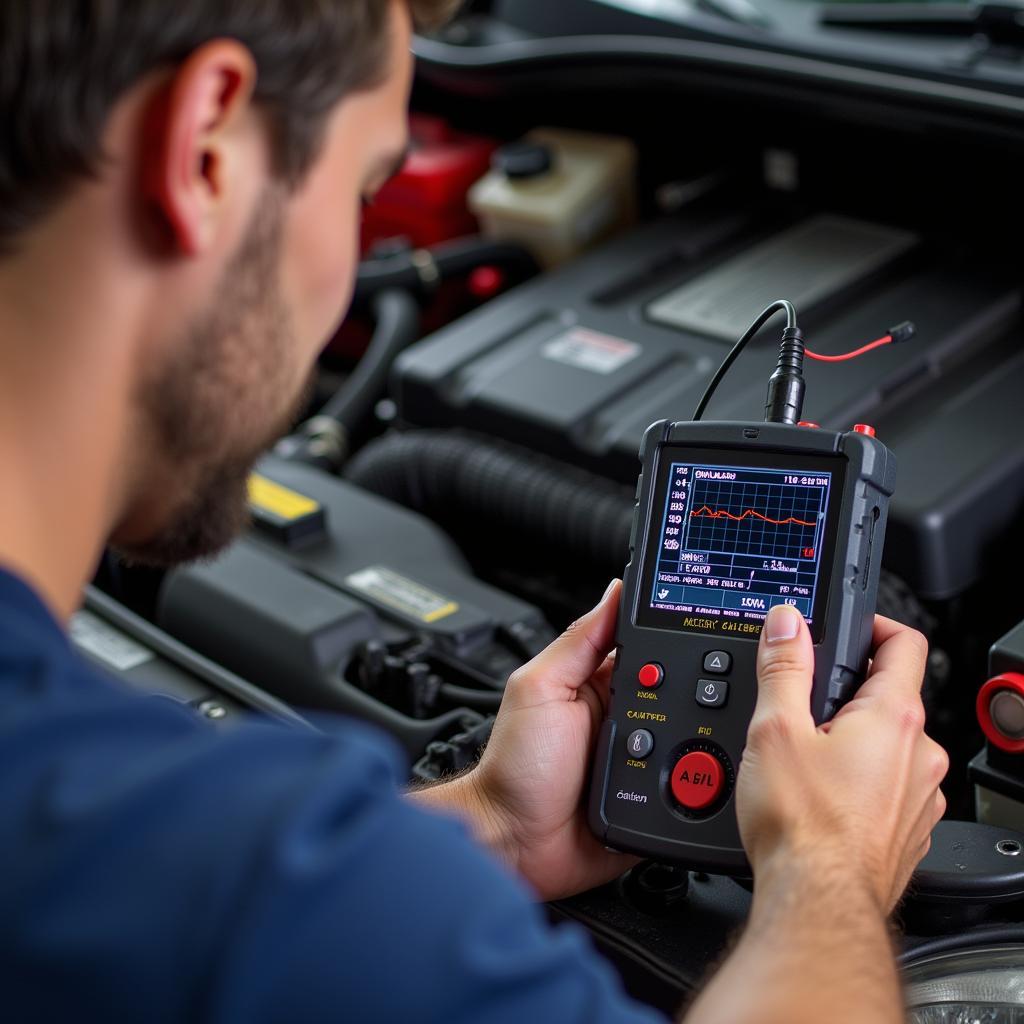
point(639, 744)
point(717, 661)
point(712, 693)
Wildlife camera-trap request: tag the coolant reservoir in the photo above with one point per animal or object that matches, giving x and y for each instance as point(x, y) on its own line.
point(557, 192)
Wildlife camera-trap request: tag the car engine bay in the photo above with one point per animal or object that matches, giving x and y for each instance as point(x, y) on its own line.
point(600, 197)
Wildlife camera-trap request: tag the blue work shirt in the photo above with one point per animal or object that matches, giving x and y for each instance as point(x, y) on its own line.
point(156, 870)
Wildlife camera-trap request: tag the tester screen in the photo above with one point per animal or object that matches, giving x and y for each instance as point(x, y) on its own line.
point(735, 540)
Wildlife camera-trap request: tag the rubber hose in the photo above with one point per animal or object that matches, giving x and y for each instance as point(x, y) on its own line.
point(397, 316)
point(448, 260)
point(454, 478)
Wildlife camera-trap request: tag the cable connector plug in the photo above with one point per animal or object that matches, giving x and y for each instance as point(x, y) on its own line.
point(785, 402)
point(902, 332)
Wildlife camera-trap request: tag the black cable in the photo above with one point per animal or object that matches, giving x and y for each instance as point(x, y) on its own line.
point(393, 287)
point(397, 317)
point(778, 306)
point(324, 440)
point(463, 696)
point(420, 271)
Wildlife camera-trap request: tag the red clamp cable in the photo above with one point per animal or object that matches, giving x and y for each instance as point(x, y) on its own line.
point(899, 333)
point(885, 340)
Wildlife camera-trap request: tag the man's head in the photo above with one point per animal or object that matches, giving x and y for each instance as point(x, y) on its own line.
point(229, 147)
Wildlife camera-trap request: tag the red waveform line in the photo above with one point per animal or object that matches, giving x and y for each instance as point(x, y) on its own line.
point(722, 514)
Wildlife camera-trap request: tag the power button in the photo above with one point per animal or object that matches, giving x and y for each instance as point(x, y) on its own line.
point(712, 693)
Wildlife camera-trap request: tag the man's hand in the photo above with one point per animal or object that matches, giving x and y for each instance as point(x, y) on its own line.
point(834, 820)
point(524, 799)
point(860, 793)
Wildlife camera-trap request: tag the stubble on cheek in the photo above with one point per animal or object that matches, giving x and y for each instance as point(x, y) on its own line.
point(215, 405)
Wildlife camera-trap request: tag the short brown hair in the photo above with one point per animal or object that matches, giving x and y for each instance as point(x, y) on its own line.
point(64, 64)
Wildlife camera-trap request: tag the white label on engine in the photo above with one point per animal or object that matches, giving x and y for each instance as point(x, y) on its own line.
point(109, 645)
point(407, 596)
point(590, 350)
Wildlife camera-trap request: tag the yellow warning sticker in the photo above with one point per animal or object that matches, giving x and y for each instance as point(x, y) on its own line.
point(279, 501)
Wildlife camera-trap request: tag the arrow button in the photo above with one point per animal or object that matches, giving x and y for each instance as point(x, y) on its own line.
point(718, 662)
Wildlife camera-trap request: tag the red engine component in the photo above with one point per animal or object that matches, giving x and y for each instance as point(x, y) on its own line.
point(426, 201)
point(425, 204)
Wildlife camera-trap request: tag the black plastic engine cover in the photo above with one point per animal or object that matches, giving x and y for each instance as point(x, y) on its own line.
point(578, 363)
point(291, 612)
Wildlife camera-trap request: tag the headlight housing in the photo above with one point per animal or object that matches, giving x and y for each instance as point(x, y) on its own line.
point(972, 986)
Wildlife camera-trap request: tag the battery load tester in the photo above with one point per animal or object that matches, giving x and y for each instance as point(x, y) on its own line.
point(732, 519)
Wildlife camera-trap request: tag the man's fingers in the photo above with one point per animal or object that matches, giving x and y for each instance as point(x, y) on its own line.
point(785, 669)
point(602, 679)
point(579, 652)
point(900, 658)
point(883, 628)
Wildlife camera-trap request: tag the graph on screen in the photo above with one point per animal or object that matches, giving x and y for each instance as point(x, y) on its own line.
point(774, 519)
point(735, 540)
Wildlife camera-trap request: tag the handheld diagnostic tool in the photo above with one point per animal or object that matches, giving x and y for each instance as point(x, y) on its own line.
point(731, 519)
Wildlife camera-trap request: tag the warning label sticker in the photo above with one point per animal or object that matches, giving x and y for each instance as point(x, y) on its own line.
point(271, 497)
point(405, 595)
point(591, 350)
point(109, 645)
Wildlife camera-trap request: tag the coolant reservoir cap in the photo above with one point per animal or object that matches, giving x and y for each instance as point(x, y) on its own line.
point(521, 160)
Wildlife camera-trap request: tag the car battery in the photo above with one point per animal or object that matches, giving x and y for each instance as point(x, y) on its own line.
point(578, 363)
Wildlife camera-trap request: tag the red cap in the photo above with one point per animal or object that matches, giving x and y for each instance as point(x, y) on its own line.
point(808, 423)
point(1012, 682)
point(864, 428)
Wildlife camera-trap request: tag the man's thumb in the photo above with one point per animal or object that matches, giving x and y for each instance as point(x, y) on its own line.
point(578, 653)
point(785, 666)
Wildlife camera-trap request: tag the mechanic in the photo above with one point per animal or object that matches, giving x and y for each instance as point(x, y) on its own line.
point(180, 188)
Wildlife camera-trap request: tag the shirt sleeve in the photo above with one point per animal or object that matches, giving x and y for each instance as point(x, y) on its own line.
point(366, 908)
point(165, 873)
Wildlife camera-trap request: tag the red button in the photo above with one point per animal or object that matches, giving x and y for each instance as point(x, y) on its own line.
point(651, 675)
point(697, 780)
point(864, 428)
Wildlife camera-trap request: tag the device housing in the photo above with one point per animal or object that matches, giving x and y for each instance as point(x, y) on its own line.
point(631, 806)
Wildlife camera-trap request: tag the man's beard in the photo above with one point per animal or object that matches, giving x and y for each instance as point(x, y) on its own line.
point(207, 406)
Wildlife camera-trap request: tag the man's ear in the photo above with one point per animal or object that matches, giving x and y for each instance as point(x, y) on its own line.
point(190, 129)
